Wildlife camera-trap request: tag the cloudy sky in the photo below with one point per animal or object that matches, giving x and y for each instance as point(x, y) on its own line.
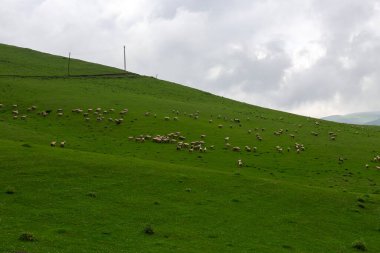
point(310, 57)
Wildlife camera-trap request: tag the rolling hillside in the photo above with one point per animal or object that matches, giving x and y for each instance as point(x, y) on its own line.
point(304, 187)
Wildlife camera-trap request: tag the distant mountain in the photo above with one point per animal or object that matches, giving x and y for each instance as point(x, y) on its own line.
point(360, 118)
point(375, 122)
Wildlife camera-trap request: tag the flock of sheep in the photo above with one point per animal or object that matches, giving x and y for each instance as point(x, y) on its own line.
point(175, 138)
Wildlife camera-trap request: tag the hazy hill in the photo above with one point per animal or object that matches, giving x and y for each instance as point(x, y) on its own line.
point(362, 118)
point(303, 187)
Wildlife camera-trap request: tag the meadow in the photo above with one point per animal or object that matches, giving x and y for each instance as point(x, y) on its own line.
point(106, 192)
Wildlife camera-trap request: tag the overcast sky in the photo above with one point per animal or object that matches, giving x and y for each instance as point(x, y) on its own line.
point(310, 57)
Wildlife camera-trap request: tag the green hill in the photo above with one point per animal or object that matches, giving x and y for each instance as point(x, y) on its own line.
point(108, 190)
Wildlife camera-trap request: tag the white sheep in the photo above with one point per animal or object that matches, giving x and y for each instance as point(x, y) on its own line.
point(239, 163)
point(62, 144)
point(53, 143)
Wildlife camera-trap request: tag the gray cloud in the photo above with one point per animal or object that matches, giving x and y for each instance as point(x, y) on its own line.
point(314, 57)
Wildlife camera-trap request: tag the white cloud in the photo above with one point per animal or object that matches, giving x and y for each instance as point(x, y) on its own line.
point(314, 57)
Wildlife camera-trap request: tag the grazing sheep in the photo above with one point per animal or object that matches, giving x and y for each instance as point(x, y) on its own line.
point(60, 114)
point(212, 147)
point(378, 167)
point(53, 143)
point(247, 148)
point(226, 139)
point(249, 131)
point(140, 139)
point(175, 118)
point(131, 138)
point(239, 163)
point(367, 166)
point(147, 113)
point(23, 117)
point(291, 136)
point(210, 121)
point(220, 126)
point(254, 149)
point(14, 106)
point(332, 138)
point(236, 149)
point(125, 111)
point(62, 144)
point(15, 117)
point(203, 136)
point(279, 149)
point(167, 118)
point(227, 146)
point(15, 112)
point(1, 105)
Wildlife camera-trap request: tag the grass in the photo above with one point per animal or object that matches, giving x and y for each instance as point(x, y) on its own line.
point(100, 192)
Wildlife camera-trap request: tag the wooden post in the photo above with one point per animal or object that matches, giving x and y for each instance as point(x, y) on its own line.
point(124, 61)
point(68, 65)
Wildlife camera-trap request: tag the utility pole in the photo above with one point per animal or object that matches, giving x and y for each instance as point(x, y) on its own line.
point(68, 64)
point(124, 61)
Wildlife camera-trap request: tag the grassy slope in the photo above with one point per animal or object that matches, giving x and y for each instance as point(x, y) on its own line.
point(278, 203)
